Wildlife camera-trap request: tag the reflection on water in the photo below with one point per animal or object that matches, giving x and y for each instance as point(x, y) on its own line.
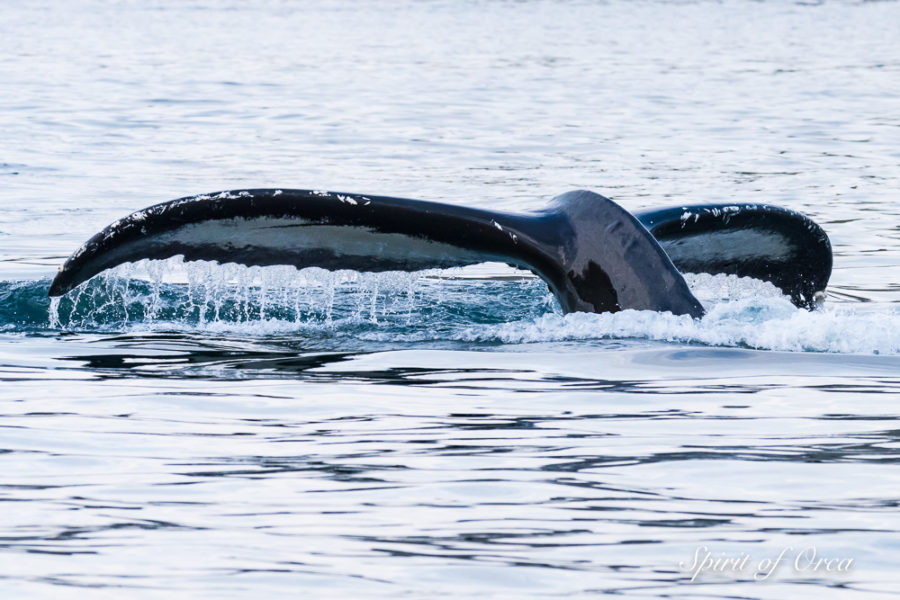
point(444, 470)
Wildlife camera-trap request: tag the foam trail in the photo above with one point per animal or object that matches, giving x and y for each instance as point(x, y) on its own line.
point(758, 323)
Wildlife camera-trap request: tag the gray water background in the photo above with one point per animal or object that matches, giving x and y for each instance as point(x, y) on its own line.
point(433, 436)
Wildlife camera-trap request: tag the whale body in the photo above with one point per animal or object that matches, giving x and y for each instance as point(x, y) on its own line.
point(593, 254)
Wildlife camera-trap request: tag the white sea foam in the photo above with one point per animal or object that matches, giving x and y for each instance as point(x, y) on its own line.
point(761, 323)
point(741, 312)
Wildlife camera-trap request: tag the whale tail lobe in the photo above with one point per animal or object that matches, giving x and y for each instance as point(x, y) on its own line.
point(593, 254)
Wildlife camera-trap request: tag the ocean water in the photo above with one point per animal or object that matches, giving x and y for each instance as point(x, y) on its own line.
point(215, 431)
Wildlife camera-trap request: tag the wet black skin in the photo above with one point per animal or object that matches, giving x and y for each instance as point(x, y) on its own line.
point(594, 255)
point(800, 266)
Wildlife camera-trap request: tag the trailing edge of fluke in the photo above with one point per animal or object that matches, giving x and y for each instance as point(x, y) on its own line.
point(594, 255)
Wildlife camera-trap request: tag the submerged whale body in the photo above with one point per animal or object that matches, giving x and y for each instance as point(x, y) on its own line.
point(593, 254)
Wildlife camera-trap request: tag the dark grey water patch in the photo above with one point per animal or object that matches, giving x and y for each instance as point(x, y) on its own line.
point(262, 466)
point(797, 453)
point(88, 533)
point(31, 487)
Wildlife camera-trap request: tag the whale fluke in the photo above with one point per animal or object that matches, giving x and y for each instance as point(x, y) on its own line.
point(761, 241)
point(594, 255)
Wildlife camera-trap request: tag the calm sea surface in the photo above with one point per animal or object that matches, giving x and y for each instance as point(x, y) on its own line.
point(197, 431)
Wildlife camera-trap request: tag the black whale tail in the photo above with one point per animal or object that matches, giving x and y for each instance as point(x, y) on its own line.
point(594, 255)
point(765, 242)
point(608, 261)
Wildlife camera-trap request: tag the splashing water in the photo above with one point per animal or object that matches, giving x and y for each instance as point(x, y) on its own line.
point(198, 294)
point(457, 306)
